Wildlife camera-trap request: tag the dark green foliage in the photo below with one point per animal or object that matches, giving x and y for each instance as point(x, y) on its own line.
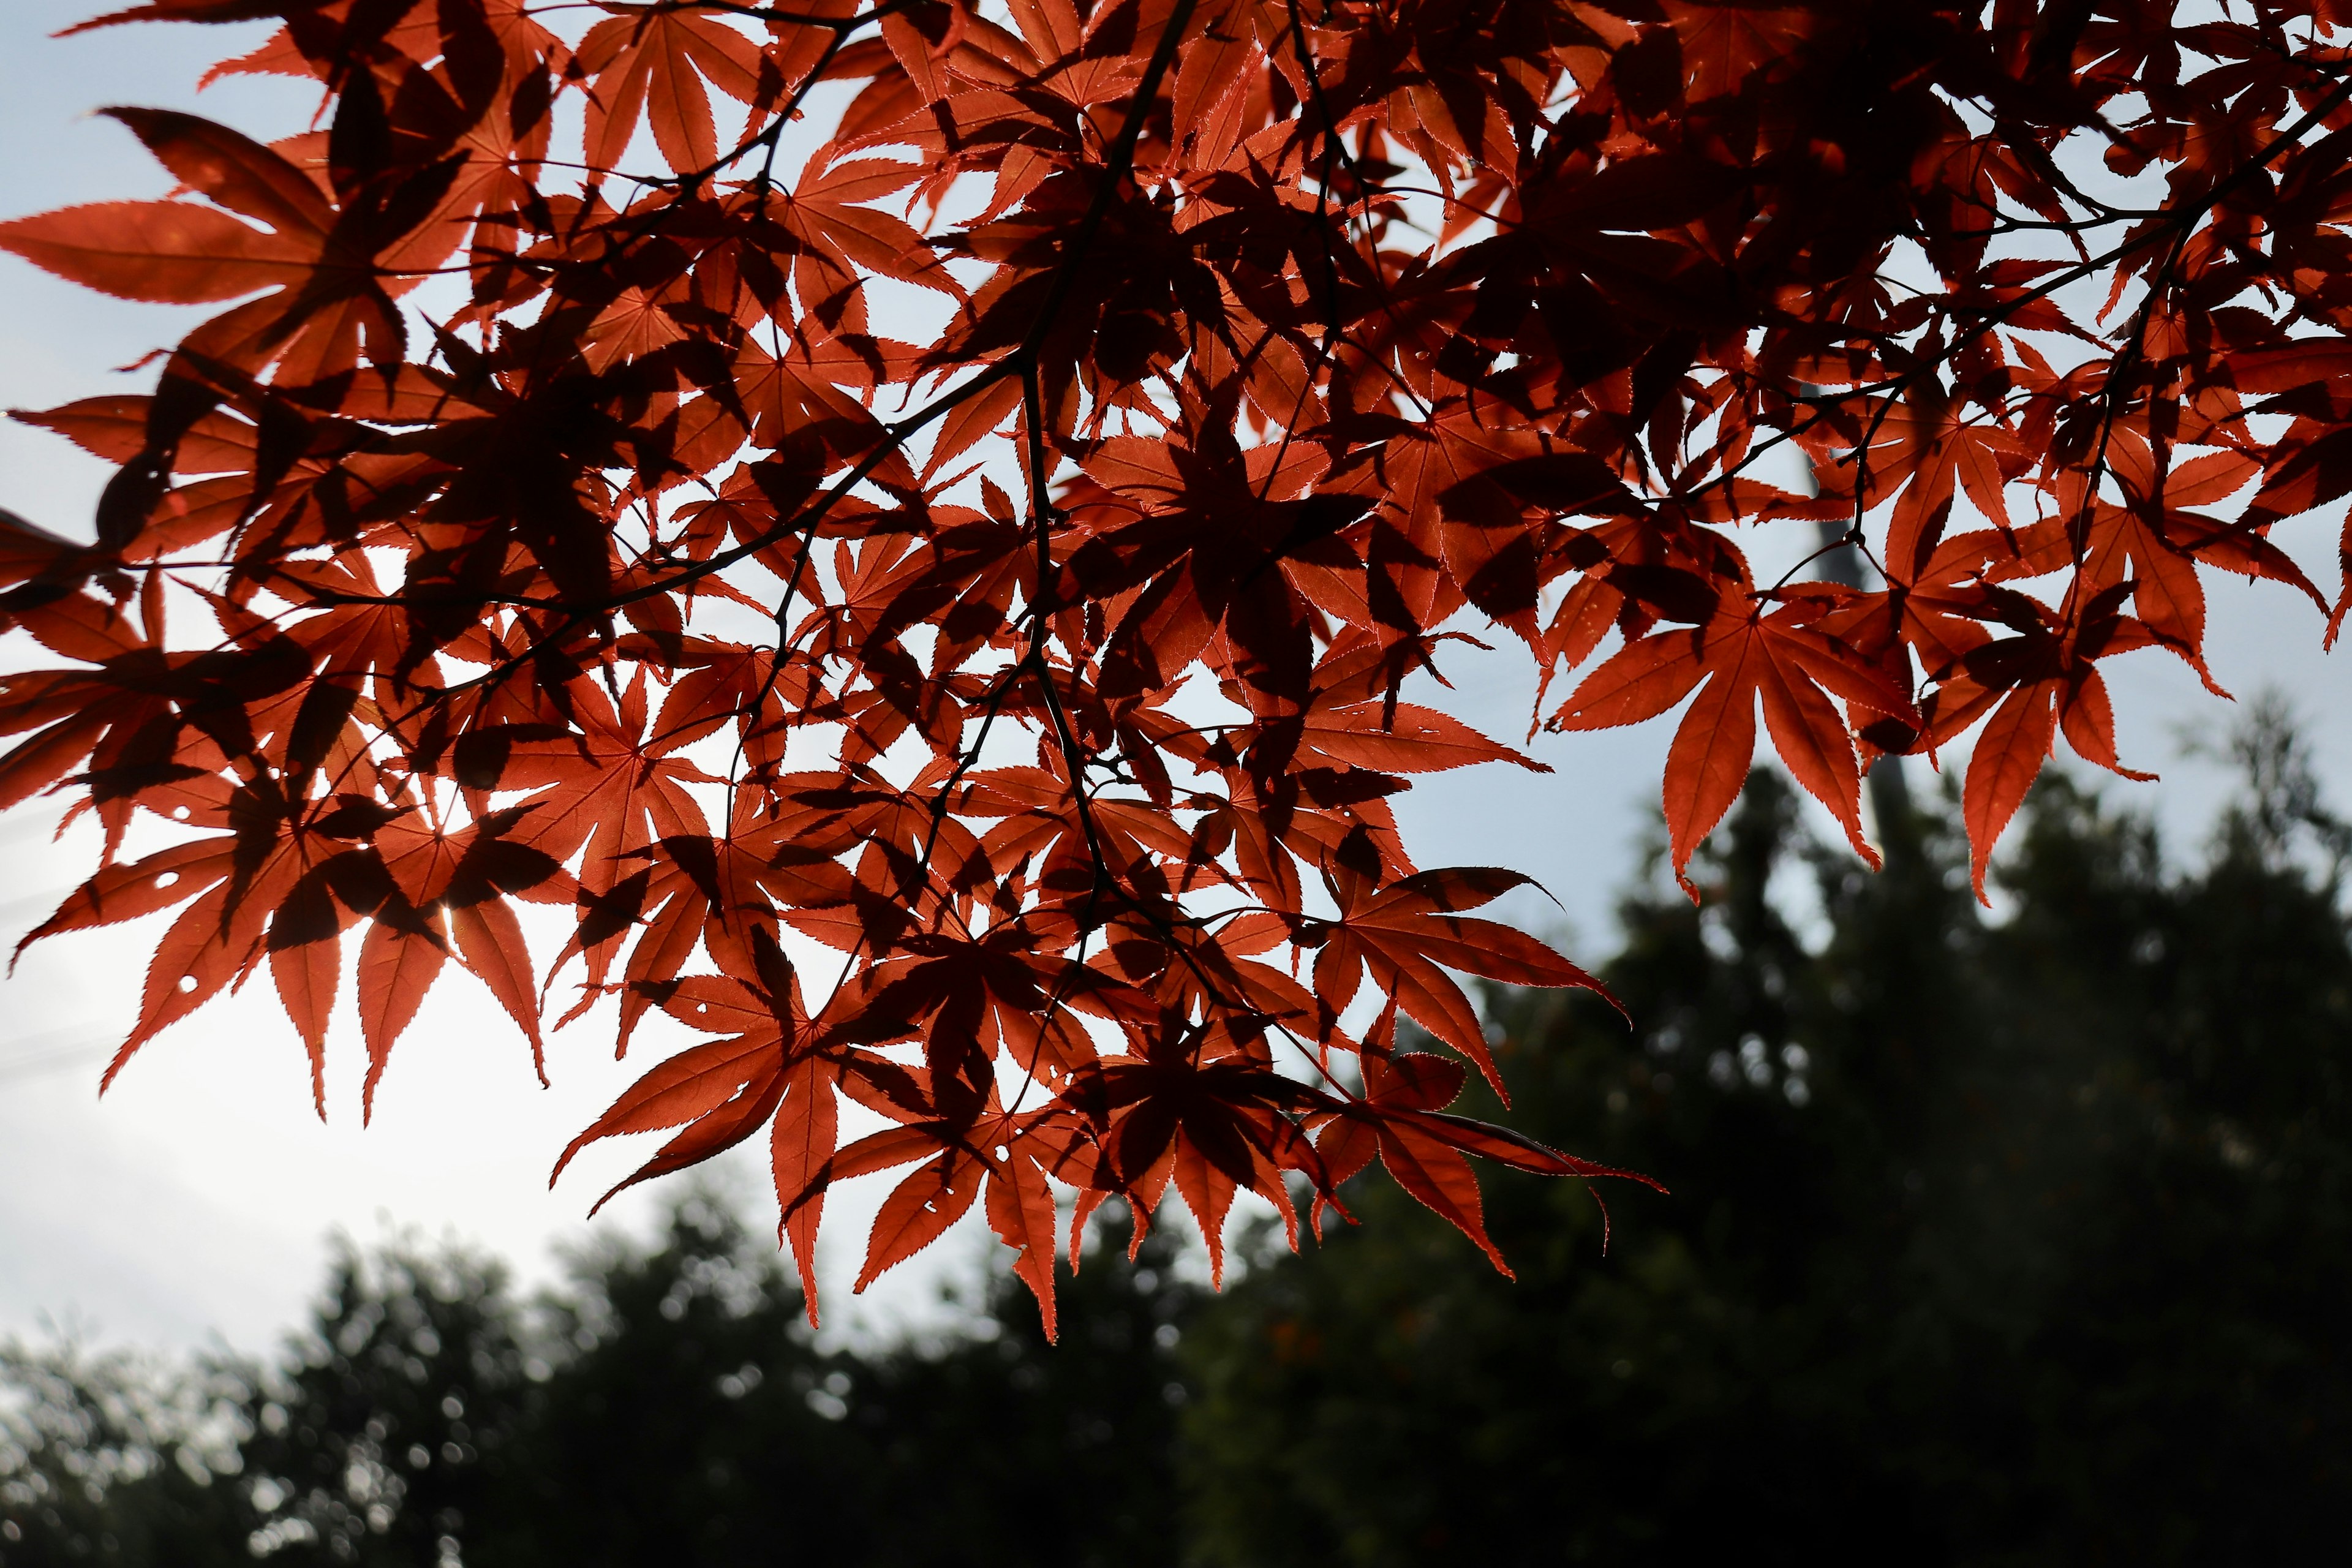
point(394, 1422)
point(668, 1407)
point(957, 1439)
point(105, 1458)
point(2023, 1242)
point(672, 1422)
point(687, 1417)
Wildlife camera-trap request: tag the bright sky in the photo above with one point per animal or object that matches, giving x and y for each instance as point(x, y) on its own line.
point(193, 1200)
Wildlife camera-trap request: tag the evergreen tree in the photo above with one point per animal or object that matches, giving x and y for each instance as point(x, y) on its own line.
point(954, 1430)
point(1984, 1247)
point(671, 1421)
point(689, 1419)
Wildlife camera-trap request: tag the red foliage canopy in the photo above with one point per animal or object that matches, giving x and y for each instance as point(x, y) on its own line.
point(558, 519)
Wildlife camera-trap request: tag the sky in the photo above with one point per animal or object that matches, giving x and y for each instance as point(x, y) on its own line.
point(191, 1202)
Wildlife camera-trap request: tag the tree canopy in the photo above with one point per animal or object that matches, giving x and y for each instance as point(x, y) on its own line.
point(905, 528)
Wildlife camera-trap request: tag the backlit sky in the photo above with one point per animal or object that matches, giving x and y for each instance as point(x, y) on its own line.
point(193, 1200)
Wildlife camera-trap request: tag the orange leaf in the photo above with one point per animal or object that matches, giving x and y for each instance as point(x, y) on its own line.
point(2009, 755)
point(919, 1210)
point(170, 252)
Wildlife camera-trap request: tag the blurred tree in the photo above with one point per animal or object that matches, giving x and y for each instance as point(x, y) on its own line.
point(689, 1419)
point(112, 1458)
point(389, 1427)
point(958, 1427)
point(668, 1405)
point(671, 1420)
point(1989, 1243)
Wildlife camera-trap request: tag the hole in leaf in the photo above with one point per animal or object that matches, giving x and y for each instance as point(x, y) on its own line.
point(180, 813)
point(167, 879)
point(187, 983)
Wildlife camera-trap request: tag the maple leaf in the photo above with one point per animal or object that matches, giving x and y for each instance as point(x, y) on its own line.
point(603, 791)
point(1211, 553)
point(657, 59)
point(151, 724)
point(724, 1089)
point(319, 259)
point(1203, 1109)
point(1402, 933)
point(1403, 1117)
point(1742, 654)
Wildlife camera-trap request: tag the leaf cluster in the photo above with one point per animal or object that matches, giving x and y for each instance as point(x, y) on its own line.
point(569, 510)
